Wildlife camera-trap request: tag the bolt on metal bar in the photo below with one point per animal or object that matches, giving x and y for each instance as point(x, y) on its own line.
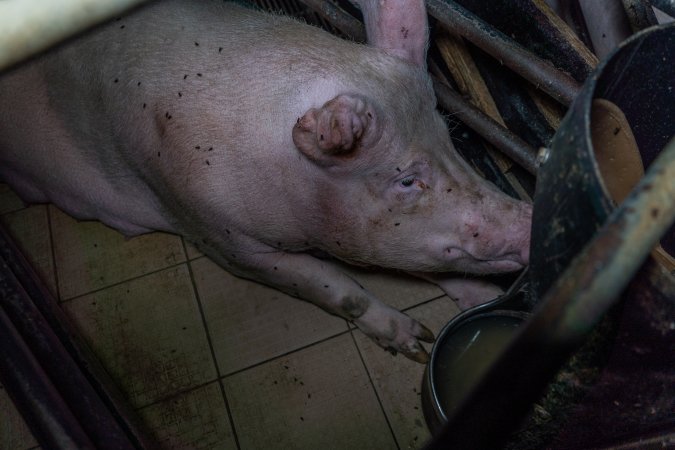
point(570, 309)
point(537, 71)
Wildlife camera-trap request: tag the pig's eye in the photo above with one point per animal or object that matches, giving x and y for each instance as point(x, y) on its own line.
point(407, 181)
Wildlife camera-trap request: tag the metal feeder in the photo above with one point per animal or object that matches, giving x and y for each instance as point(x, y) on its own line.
point(584, 255)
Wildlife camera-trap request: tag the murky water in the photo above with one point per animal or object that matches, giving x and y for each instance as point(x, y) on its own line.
point(467, 353)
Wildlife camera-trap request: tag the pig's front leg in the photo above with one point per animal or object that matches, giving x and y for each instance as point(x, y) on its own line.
point(324, 284)
point(466, 292)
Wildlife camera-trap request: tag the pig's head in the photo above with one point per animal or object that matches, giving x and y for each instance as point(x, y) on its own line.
point(393, 191)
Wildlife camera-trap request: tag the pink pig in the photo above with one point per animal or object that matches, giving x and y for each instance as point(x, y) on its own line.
point(260, 138)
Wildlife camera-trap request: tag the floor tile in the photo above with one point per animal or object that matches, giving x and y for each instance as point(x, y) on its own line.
point(91, 256)
point(196, 420)
point(14, 433)
point(398, 380)
point(317, 398)
point(9, 201)
point(250, 323)
point(191, 250)
point(30, 229)
point(148, 333)
point(396, 289)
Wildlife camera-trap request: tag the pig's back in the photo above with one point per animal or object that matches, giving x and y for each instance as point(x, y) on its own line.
point(121, 119)
point(78, 126)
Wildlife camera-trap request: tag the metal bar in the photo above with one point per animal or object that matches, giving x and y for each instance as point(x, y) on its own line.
point(571, 308)
point(51, 339)
point(46, 413)
point(667, 6)
point(499, 136)
point(640, 14)
point(493, 132)
point(28, 27)
point(339, 18)
point(537, 71)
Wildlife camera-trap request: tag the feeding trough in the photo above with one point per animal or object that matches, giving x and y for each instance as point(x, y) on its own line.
point(620, 122)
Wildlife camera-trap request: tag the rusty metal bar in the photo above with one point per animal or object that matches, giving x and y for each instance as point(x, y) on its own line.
point(640, 14)
point(339, 18)
point(493, 132)
point(54, 424)
point(28, 27)
point(537, 71)
point(496, 134)
point(568, 312)
point(83, 387)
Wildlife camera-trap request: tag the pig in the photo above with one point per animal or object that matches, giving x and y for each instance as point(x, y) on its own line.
point(263, 140)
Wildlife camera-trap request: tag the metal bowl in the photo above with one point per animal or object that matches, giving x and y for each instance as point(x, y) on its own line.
point(464, 350)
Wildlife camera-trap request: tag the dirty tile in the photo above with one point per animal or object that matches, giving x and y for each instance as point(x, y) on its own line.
point(148, 333)
point(196, 419)
point(318, 397)
point(191, 250)
point(14, 433)
point(9, 201)
point(30, 229)
point(250, 323)
point(91, 256)
point(396, 289)
point(398, 380)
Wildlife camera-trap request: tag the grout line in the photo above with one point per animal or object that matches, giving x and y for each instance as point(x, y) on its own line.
point(236, 372)
point(211, 349)
point(53, 251)
point(14, 211)
point(377, 395)
point(126, 280)
point(175, 394)
point(118, 283)
point(425, 302)
point(283, 355)
point(349, 329)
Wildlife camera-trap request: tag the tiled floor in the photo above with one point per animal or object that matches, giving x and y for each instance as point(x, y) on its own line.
point(212, 361)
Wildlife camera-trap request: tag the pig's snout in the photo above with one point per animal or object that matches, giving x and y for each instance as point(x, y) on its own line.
point(516, 237)
point(501, 244)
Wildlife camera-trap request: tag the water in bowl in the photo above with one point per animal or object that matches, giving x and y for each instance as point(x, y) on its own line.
point(467, 352)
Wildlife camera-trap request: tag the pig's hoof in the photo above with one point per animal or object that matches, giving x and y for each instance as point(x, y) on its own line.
point(396, 332)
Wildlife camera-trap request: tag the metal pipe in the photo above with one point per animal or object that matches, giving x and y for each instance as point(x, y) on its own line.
point(640, 14)
point(339, 18)
point(496, 134)
point(568, 312)
point(48, 334)
point(493, 132)
point(537, 71)
point(28, 27)
point(47, 414)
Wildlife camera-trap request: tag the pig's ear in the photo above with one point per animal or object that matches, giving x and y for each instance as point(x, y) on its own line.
point(398, 27)
point(336, 131)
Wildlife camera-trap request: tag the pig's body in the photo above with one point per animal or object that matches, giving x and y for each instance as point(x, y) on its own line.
point(258, 138)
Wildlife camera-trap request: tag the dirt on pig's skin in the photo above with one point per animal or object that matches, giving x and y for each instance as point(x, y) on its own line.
point(384, 186)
